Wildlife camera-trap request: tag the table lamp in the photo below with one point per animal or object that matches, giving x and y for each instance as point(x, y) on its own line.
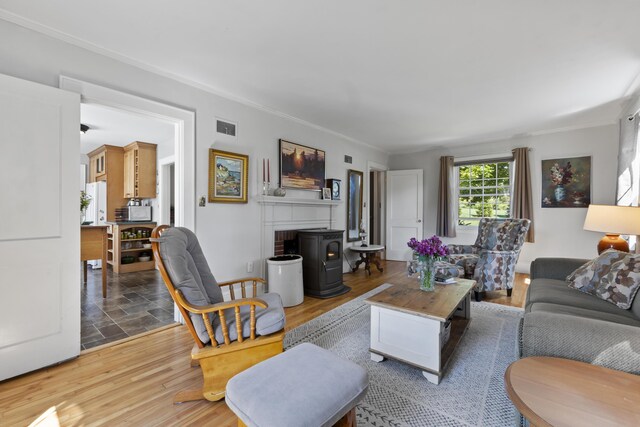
point(613, 221)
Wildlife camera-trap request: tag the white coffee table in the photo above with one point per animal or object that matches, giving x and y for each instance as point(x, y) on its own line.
point(407, 324)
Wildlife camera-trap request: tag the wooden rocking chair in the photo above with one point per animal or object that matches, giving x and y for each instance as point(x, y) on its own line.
point(230, 336)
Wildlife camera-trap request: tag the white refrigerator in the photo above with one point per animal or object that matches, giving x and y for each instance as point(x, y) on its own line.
point(97, 210)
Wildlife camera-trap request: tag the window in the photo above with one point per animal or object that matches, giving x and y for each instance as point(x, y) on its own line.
point(484, 191)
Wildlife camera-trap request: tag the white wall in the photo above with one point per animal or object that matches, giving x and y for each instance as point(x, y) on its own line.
point(229, 233)
point(558, 231)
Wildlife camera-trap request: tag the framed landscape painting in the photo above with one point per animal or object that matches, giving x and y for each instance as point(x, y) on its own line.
point(228, 177)
point(566, 183)
point(301, 167)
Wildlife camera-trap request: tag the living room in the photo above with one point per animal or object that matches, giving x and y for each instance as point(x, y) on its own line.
point(344, 79)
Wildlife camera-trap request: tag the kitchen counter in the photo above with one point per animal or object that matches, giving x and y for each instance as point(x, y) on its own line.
point(93, 245)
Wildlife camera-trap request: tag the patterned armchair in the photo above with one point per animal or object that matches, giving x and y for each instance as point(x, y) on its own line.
point(491, 260)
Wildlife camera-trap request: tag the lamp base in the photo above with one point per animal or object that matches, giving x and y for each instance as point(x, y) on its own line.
point(613, 241)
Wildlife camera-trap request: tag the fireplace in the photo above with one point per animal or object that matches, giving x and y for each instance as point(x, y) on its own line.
point(289, 214)
point(321, 251)
point(285, 242)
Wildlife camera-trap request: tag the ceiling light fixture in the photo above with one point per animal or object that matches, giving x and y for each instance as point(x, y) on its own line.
point(84, 128)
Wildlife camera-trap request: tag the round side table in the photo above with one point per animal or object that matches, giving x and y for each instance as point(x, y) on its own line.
point(368, 256)
point(550, 391)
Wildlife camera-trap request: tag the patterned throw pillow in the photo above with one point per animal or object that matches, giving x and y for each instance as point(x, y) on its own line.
point(620, 285)
point(587, 277)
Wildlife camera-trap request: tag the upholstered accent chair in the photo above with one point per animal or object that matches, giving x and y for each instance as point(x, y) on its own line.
point(491, 260)
point(230, 336)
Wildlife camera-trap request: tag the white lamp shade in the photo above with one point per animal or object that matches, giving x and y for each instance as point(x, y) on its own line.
point(613, 219)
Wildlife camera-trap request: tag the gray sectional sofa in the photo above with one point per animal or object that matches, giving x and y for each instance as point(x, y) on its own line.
point(563, 322)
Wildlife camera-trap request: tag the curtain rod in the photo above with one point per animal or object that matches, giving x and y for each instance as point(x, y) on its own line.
point(504, 155)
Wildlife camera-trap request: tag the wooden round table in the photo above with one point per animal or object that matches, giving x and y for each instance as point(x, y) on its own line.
point(550, 391)
point(368, 256)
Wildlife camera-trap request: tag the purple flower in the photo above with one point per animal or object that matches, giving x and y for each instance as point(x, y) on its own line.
point(431, 247)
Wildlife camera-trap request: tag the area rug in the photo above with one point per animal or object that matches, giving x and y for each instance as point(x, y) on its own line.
point(471, 392)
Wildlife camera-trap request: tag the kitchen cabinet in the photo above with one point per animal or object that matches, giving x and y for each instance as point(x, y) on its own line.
point(97, 162)
point(106, 164)
point(140, 170)
point(129, 245)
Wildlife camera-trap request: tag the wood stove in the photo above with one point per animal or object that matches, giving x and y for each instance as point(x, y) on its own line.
point(321, 251)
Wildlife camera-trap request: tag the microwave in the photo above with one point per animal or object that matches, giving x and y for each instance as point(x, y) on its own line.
point(139, 213)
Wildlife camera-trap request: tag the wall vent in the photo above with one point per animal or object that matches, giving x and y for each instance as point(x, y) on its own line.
point(225, 127)
point(348, 159)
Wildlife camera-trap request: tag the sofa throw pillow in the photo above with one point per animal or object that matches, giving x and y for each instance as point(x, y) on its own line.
point(620, 285)
point(586, 277)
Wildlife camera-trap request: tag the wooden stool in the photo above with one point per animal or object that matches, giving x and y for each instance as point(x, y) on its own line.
point(304, 386)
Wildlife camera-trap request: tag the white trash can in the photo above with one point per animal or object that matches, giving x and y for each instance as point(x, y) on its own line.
point(284, 276)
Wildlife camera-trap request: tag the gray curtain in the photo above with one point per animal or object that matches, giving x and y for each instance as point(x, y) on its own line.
point(628, 180)
point(522, 196)
point(446, 214)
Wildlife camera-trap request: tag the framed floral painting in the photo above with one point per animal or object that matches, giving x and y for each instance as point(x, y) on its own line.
point(228, 177)
point(566, 183)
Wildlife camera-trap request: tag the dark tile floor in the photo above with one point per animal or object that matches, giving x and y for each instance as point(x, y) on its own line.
point(135, 303)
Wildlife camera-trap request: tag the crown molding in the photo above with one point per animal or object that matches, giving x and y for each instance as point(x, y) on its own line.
point(67, 38)
point(438, 145)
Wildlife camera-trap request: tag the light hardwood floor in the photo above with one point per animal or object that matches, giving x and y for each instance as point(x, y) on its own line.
point(134, 382)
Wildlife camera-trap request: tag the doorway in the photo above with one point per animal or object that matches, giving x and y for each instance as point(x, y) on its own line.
point(138, 301)
point(166, 191)
point(375, 207)
point(376, 202)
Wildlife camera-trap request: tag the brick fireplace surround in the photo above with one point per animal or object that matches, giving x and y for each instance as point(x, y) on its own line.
point(279, 239)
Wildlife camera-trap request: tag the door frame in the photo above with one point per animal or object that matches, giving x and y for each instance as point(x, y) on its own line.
point(184, 121)
point(377, 167)
point(185, 144)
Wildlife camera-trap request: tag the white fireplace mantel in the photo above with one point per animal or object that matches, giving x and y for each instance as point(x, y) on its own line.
point(295, 201)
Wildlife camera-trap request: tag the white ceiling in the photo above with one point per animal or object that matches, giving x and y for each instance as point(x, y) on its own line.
point(397, 75)
point(119, 128)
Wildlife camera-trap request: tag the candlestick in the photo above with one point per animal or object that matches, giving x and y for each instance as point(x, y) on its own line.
point(263, 180)
point(269, 171)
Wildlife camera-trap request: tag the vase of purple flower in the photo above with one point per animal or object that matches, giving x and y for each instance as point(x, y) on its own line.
point(425, 254)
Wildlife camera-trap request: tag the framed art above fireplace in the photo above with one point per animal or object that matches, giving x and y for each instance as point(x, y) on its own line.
point(301, 167)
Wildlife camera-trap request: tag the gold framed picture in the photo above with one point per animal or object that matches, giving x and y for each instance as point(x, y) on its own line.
point(228, 177)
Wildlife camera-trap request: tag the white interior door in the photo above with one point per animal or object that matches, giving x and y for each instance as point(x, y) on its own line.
point(39, 227)
point(404, 211)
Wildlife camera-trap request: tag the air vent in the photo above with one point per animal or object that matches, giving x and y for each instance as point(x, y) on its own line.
point(348, 159)
point(225, 127)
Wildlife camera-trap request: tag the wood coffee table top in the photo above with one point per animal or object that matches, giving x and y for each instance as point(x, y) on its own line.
point(405, 295)
point(550, 391)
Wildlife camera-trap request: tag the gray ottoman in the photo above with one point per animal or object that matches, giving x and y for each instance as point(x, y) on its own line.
point(306, 386)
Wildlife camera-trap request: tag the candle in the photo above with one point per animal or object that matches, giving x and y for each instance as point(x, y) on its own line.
point(263, 180)
point(269, 170)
